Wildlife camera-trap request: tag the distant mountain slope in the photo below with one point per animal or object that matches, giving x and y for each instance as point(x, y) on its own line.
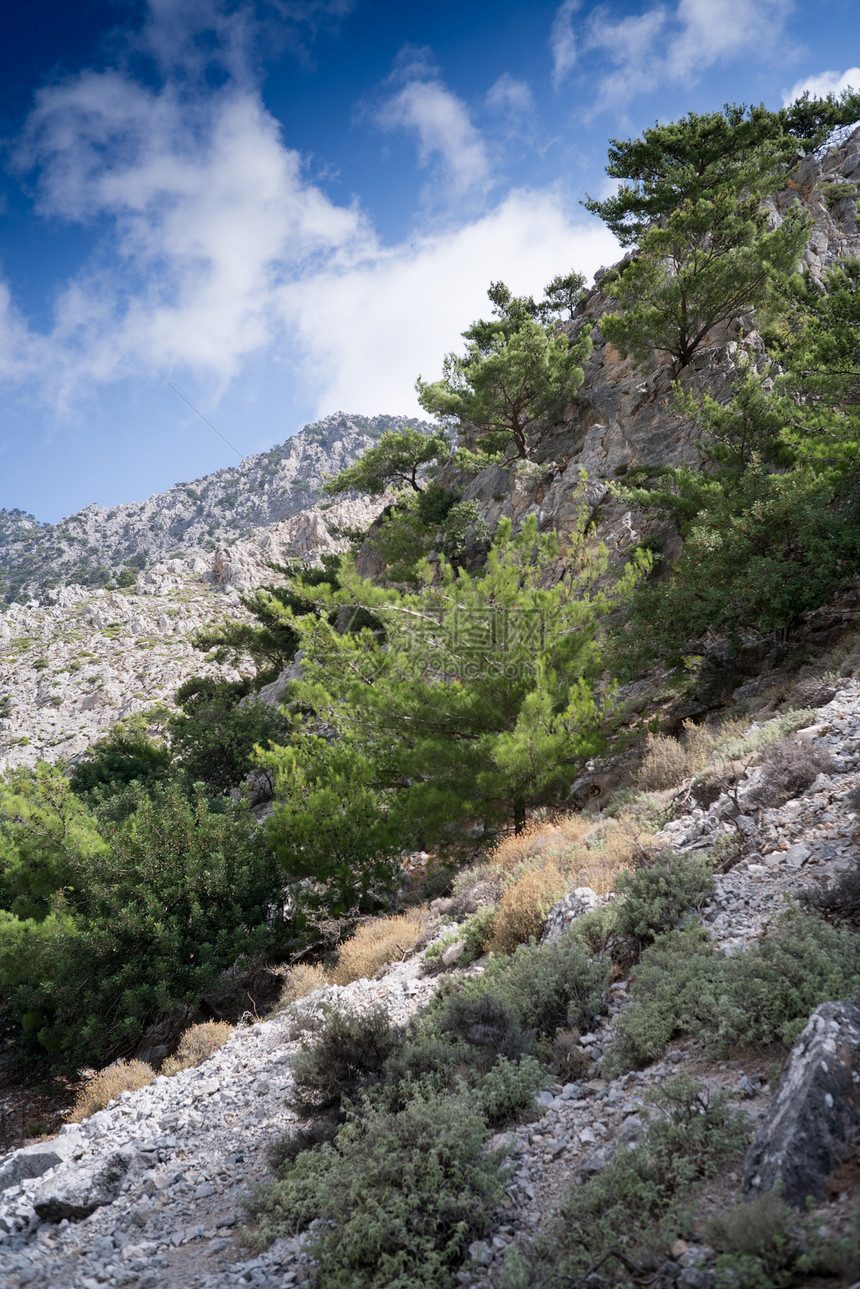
point(93, 546)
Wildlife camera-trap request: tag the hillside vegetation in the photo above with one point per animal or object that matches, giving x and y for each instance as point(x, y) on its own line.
point(447, 693)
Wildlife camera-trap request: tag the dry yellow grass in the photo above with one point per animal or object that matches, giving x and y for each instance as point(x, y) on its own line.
point(525, 904)
point(303, 979)
point(196, 1044)
point(613, 847)
point(538, 839)
point(122, 1076)
point(377, 942)
point(668, 761)
point(585, 852)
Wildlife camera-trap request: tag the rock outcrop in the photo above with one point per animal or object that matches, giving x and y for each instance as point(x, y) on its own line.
point(814, 1122)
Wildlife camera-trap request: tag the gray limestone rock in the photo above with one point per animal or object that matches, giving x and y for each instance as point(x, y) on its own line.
point(814, 1122)
point(577, 902)
point(77, 1190)
point(34, 1161)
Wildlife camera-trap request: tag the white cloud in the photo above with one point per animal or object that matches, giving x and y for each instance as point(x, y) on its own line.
point(369, 331)
point(823, 84)
point(675, 45)
point(207, 213)
point(631, 44)
point(213, 251)
point(562, 41)
point(507, 94)
point(444, 130)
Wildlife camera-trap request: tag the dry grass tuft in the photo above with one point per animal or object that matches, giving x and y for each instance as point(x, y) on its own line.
point(196, 1044)
point(668, 761)
point(537, 839)
point(303, 979)
point(104, 1087)
point(525, 904)
point(377, 942)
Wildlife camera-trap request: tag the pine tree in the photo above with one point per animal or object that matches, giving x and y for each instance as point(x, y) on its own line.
point(707, 262)
point(517, 375)
point(482, 695)
point(398, 459)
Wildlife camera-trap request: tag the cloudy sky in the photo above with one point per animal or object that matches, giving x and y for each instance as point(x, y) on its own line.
point(286, 208)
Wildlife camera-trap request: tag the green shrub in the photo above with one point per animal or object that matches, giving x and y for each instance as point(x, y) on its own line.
point(121, 923)
point(627, 1216)
point(657, 897)
point(485, 1023)
point(400, 1196)
point(506, 1092)
point(125, 754)
point(762, 1244)
point(213, 738)
point(754, 1240)
point(547, 987)
point(682, 985)
point(347, 1055)
point(839, 901)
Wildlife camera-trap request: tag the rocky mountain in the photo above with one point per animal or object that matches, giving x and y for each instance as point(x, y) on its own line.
point(148, 1191)
point(191, 519)
point(81, 658)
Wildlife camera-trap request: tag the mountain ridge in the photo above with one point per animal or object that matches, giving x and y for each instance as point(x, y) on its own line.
point(94, 545)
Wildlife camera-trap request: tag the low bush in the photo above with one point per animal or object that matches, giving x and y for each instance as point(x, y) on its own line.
point(524, 906)
point(104, 1087)
point(398, 1197)
point(762, 1244)
point(754, 1239)
point(839, 901)
point(506, 1093)
point(196, 1044)
point(483, 1022)
point(347, 1056)
point(303, 979)
point(378, 942)
point(656, 898)
point(683, 986)
point(624, 1220)
point(668, 761)
point(787, 769)
point(548, 987)
point(287, 1147)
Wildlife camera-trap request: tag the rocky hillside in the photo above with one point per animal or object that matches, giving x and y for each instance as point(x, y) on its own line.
point(160, 1175)
point(623, 417)
point(92, 546)
point(83, 658)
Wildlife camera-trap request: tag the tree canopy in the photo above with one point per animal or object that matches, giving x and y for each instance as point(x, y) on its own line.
point(398, 458)
point(745, 149)
point(519, 371)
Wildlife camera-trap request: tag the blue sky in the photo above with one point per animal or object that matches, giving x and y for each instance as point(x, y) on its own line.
point(287, 208)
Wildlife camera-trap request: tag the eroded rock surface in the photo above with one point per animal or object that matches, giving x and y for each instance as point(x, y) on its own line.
point(814, 1122)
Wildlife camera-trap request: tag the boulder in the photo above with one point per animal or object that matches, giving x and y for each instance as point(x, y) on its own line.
point(33, 1161)
point(76, 1190)
point(814, 1122)
point(577, 902)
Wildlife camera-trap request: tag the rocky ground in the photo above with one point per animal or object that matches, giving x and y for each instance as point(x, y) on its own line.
point(167, 1166)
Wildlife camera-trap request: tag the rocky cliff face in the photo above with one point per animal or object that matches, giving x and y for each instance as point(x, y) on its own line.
point(190, 518)
point(623, 416)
